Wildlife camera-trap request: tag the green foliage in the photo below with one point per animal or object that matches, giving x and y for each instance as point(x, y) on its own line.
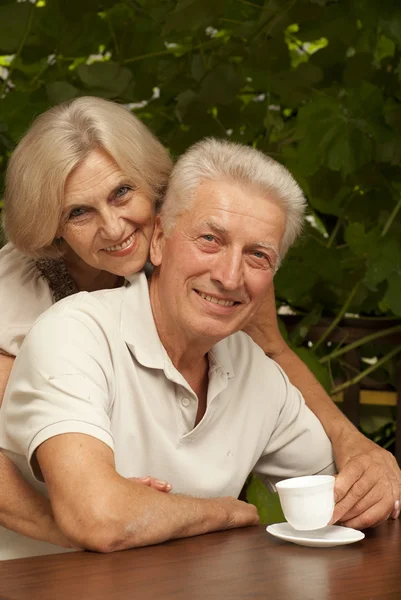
point(314, 83)
point(267, 503)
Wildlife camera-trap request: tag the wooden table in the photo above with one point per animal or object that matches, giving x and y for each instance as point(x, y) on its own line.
point(239, 564)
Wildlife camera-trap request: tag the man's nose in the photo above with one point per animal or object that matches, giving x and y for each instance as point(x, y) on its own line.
point(228, 270)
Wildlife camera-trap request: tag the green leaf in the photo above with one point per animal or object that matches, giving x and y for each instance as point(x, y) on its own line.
point(361, 243)
point(340, 132)
point(14, 20)
point(221, 85)
point(393, 295)
point(60, 91)
point(267, 503)
point(384, 263)
point(191, 14)
point(294, 86)
point(312, 362)
point(391, 26)
point(106, 79)
point(300, 332)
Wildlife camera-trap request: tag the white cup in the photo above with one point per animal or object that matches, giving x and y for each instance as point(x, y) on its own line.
point(307, 502)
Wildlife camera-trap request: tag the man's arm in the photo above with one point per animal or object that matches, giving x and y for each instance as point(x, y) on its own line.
point(368, 485)
point(99, 510)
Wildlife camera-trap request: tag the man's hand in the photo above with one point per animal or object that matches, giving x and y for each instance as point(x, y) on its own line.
point(238, 513)
point(368, 486)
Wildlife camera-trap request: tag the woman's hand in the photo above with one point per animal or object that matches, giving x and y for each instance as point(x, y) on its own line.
point(368, 486)
point(157, 484)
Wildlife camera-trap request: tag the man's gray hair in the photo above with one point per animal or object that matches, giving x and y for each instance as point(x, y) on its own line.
point(212, 159)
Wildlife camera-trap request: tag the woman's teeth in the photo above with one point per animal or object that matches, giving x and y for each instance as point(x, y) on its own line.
point(121, 246)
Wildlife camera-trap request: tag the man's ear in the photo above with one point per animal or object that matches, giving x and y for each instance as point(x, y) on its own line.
point(157, 243)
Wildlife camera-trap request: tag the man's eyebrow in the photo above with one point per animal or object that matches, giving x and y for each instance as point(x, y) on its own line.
point(266, 247)
point(209, 224)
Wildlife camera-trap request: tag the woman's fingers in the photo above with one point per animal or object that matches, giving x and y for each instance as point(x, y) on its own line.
point(157, 484)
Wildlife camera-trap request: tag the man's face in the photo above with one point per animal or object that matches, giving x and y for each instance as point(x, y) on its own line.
point(219, 261)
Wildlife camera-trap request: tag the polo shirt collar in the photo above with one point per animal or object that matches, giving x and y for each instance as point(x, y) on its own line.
point(140, 333)
point(138, 326)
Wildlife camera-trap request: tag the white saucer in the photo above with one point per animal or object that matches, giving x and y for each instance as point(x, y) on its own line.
point(327, 536)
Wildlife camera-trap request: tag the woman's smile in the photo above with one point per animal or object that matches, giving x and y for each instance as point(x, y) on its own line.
point(124, 248)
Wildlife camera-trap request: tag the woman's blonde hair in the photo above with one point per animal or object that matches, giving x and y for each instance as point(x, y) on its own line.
point(56, 143)
point(213, 159)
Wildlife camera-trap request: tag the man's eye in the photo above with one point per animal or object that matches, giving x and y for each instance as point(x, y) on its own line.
point(77, 212)
point(208, 237)
point(260, 255)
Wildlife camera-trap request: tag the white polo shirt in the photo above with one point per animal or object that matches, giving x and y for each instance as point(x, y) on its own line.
point(94, 364)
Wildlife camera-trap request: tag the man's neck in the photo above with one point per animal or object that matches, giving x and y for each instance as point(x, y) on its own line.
point(189, 356)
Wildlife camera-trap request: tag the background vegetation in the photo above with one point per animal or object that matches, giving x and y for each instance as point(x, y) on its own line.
point(314, 83)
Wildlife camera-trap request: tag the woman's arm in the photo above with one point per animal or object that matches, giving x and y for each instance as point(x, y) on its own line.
point(22, 509)
point(362, 465)
point(6, 363)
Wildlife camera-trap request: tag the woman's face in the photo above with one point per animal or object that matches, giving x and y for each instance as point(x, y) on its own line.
point(107, 221)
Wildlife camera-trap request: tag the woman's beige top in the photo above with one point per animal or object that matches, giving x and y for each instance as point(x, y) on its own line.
point(27, 289)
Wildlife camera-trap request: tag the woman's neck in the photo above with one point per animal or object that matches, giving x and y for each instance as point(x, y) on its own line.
point(87, 278)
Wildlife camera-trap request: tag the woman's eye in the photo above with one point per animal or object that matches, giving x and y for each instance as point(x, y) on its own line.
point(122, 191)
point(77, 212)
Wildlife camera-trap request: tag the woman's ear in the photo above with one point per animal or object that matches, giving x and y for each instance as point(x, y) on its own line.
point(157, 243)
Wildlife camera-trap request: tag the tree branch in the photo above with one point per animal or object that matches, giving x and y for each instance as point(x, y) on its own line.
point(338, 318)
point(391, 218)
point(18, 53)
point(367, 371)
point(368, 338)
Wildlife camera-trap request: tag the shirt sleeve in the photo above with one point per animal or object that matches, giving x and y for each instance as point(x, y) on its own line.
point(61, 383)
point(24, 295)
point(298, 444)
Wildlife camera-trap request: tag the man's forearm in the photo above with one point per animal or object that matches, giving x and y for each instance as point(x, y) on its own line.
point(128, 515)
point(23, 510)
point(143, 516)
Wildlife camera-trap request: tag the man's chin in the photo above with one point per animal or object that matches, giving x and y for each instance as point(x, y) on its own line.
point(215, 331)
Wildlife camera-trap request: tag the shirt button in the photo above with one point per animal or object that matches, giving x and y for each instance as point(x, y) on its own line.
point(185, 402)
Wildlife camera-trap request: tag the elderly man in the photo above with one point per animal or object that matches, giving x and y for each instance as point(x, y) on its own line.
point(158, 377)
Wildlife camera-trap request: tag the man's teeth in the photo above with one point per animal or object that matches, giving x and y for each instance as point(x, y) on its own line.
point(121, 246)
point(216, 300)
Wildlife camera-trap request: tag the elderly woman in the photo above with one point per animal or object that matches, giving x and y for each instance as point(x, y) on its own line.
point(81, 193)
